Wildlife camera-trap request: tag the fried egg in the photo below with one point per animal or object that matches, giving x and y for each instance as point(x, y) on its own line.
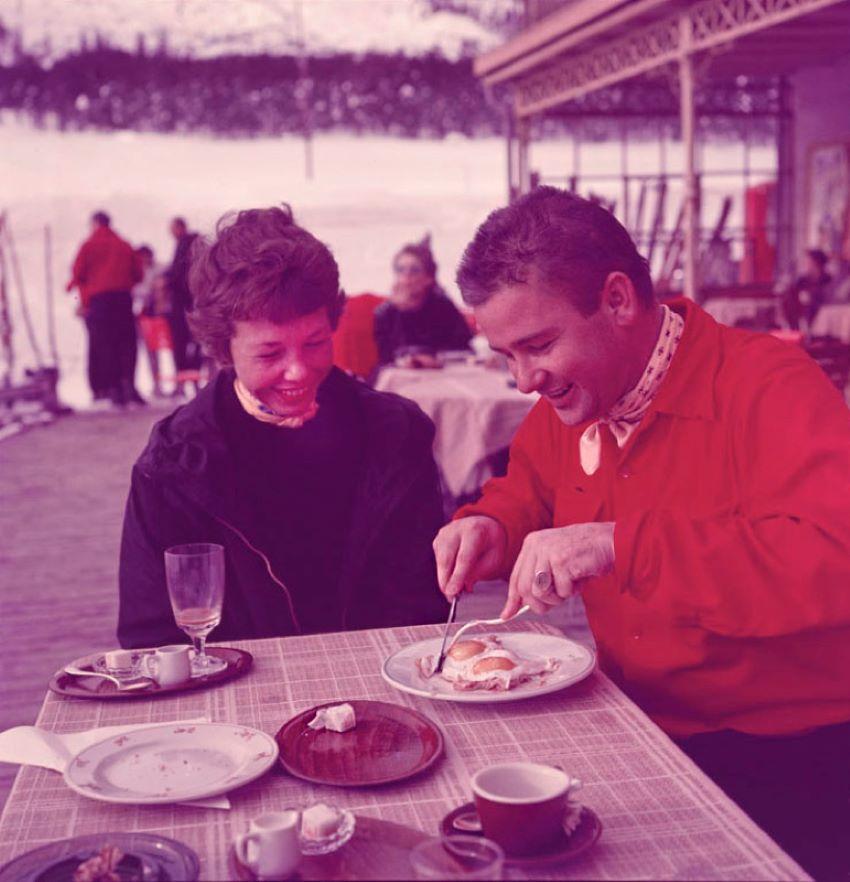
point(485, 663)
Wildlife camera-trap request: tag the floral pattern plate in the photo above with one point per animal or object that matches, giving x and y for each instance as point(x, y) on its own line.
point(171, 763)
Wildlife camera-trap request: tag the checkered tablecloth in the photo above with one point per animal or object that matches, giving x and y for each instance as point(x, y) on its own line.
point(662, 817)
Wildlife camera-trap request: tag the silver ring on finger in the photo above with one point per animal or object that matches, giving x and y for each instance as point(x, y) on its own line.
point(542, 582)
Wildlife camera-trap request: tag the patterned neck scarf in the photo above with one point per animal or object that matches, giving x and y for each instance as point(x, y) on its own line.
point(624, 416)
point(255, 408)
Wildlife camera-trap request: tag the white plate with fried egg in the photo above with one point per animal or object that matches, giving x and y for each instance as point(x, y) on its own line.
point(490, 667)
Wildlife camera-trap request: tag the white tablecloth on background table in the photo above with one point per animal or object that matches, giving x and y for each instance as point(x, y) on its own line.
point(728, 310)
point(476, 413)
point(833, 320)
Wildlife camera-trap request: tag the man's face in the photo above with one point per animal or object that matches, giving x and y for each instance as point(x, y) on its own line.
point(284, 364)
point(177, 229)
point(573, 361)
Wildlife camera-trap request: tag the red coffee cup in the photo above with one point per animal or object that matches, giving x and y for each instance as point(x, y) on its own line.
point(522, 805)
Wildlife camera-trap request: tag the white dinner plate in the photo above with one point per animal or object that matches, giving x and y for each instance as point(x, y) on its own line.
point(171, 763)
point(577, 662)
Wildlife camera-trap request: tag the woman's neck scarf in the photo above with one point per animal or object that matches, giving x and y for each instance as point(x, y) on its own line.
point(624, 416)
point(262, 412)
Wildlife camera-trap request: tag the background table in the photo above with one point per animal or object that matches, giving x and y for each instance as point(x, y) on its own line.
point(475, 411)
point(728, 310)
point(662, 817)
point(833, 320)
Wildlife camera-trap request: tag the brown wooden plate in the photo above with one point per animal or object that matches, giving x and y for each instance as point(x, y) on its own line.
point(238, 663)
point(377, 850)
point(389, 743)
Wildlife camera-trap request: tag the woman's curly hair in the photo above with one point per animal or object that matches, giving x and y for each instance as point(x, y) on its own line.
point(260, 266)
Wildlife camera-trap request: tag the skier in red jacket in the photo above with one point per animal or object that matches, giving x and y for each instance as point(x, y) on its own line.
point(105, 270)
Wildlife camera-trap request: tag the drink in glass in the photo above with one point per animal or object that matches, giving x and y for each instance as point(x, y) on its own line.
point(195, 577)
point(457, 857)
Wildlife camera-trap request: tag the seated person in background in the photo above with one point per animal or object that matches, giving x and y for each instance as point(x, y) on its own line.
point(418, 320)
point(323, 492)
point(838, 290)
point(691, 481)
point(808, 291)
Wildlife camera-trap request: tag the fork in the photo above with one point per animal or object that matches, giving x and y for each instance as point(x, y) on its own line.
point(475, 622)
point(123, 685)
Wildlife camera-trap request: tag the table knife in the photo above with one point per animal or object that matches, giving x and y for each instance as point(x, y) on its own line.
point(442, 657)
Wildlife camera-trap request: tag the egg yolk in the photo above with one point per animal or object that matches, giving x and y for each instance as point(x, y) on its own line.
point(494, 663)
point(466, 649)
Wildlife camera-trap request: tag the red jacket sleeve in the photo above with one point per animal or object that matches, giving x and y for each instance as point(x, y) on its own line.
point(780, 562)
point(523, 500)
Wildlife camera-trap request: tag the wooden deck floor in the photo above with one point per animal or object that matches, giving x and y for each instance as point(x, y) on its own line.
point(62, 488)
point(62, 493)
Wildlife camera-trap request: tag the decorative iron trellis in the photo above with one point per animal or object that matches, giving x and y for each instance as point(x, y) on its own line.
point(708, 24)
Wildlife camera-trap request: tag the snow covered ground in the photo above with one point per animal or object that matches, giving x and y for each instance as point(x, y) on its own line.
point(368, 196)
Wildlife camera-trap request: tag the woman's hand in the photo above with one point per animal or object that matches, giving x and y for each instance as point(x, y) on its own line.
point(417, 360)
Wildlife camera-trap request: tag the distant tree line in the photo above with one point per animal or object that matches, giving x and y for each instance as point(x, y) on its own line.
point(106, 88)
point(153, 89)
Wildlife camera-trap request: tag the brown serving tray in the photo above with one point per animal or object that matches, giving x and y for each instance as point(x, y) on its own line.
point(389, 743)
point(378, 850)
point(238, 663)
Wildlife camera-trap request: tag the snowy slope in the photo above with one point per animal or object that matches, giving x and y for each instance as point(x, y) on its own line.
point(368, 196)
point(202, 28)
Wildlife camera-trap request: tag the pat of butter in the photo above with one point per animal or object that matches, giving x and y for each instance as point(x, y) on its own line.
point(320, 821)
point(338, 718)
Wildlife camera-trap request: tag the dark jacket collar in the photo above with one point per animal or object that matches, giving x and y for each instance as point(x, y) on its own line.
point(189, 449)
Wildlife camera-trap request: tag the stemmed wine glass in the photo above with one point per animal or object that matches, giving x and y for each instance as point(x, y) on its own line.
point(195, 577)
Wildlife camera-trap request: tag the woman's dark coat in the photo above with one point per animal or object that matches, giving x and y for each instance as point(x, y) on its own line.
point(184, 489)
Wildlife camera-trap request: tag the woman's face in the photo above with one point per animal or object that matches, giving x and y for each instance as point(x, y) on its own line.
point(411, 282)
point(283, 364)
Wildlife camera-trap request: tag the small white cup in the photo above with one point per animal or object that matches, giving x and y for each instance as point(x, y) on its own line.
point(120, 663)
point(169, 665)
point(270, 848)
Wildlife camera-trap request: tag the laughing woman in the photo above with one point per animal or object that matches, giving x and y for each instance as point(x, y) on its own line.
point(323, 492)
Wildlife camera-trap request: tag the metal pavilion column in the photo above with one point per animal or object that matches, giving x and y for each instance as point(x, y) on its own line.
point(510, 156)
point(518, 145)
point(523, 147)
point(688, 120)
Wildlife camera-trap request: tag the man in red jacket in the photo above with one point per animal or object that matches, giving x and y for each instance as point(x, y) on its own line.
point(105, 270)
point(691, 481)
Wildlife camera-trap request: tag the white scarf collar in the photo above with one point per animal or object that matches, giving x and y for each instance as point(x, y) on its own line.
point(262, 412)
point(626, 414)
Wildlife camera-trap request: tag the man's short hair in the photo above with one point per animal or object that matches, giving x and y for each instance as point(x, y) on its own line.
point(572, 243)
point(260, 266)
point(179, 222)
point(102, 218)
